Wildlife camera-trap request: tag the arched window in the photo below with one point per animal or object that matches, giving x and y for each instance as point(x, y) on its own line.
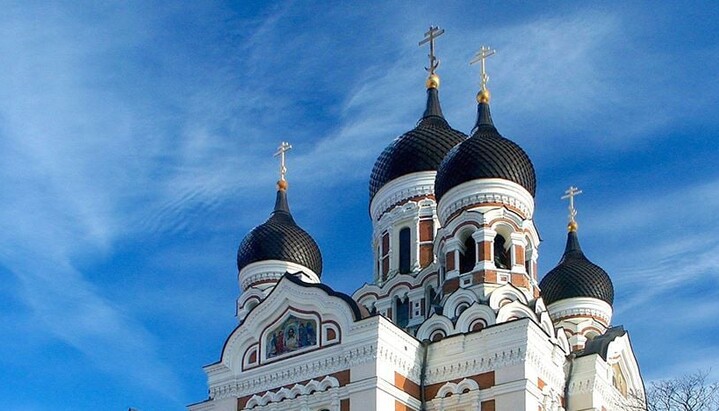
point(401, 309)
point(404, 251)
point(501, 255)
point(528, 252)
point(469, 258)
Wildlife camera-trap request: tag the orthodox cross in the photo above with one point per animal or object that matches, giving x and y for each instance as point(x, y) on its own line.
point(482, 55)
point(281, 150)
point(429, 37)
point(570, 194)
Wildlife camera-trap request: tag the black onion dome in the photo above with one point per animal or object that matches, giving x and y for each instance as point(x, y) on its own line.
point(280, 238)
point(485, 155)
point(420, 149)
point(576, 276)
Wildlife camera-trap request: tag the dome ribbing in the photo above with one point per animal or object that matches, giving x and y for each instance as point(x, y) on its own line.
point(576, 276)
point(486, 154)
point(280, 238)
point(420, 149)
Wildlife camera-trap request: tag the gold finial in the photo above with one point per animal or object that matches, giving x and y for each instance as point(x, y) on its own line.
point(570, 194)
point(483, 96)
point(281, 150)
point(429, 37)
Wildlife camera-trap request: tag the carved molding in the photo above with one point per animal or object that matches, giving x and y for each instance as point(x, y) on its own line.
point(490, 190)
point(402, 188)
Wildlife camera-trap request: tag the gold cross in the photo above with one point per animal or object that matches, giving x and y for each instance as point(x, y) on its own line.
point(482, 55)
point(570, 194)
point(281, 150)
point(429, 37)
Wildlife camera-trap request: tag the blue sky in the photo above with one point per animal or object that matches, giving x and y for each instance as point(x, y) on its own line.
point(136, 143)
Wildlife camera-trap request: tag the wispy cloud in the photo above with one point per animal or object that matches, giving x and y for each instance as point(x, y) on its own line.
point(125, 125)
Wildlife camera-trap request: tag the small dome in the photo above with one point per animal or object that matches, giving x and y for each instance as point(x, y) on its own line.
point(420, 149)
point(576, 276)
point(280, 238)
point(485, 155)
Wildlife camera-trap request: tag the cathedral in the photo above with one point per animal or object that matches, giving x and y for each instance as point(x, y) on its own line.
point(455, 316)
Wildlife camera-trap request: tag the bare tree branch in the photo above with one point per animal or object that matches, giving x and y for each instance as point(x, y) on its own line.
point(690, 392)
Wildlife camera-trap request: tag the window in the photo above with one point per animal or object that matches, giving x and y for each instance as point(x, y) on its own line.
point(404, 251)
point(469, 258)
point(384, 257)
point(528, 252)
point(401, 311)
point(430, 299)
point(501, 254)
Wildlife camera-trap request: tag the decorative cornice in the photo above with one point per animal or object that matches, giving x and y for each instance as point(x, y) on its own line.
point(298, 391)
point(411, 210)
point(383, 290)
point(580, 307)
point(273, 270)
point(476, 365)
point(491, 190)
point(408, 186)
point(254, 382)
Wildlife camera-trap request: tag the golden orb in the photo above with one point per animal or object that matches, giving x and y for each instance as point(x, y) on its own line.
point(572, 226)
point(483, 96)
point(432, 81)
point(282, 185)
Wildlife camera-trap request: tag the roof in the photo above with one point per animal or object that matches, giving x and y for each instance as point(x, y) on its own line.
point(280, 238)
point(358, 310)
point(600, 344)
point(576, 276)
point(420, 149)
point(485, 155)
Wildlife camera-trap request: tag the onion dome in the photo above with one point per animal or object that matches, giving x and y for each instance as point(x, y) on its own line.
point(420, 149)
point(486, 154)
point(576, 276)
point(280, 238)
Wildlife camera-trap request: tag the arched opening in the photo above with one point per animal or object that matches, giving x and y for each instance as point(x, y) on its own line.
point(502, 259)
point(251, 304)
point(468, 259)
point(405, 251)
point(478, 325)
point(528, 252)
point(401, 309)
point(460, 309)
point(429, 298)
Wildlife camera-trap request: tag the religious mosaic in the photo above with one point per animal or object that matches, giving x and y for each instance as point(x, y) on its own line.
point(291, 335)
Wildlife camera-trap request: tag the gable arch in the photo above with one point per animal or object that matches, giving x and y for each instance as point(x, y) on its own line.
point(435, 323)
point(464, 231)
point(399, 291)
point(546, 323)
point(506, 291)
point(458, 297)
point(467, 384)
point(449, 388)
point(475, 312)
point(514, 310)
point(288, 294)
